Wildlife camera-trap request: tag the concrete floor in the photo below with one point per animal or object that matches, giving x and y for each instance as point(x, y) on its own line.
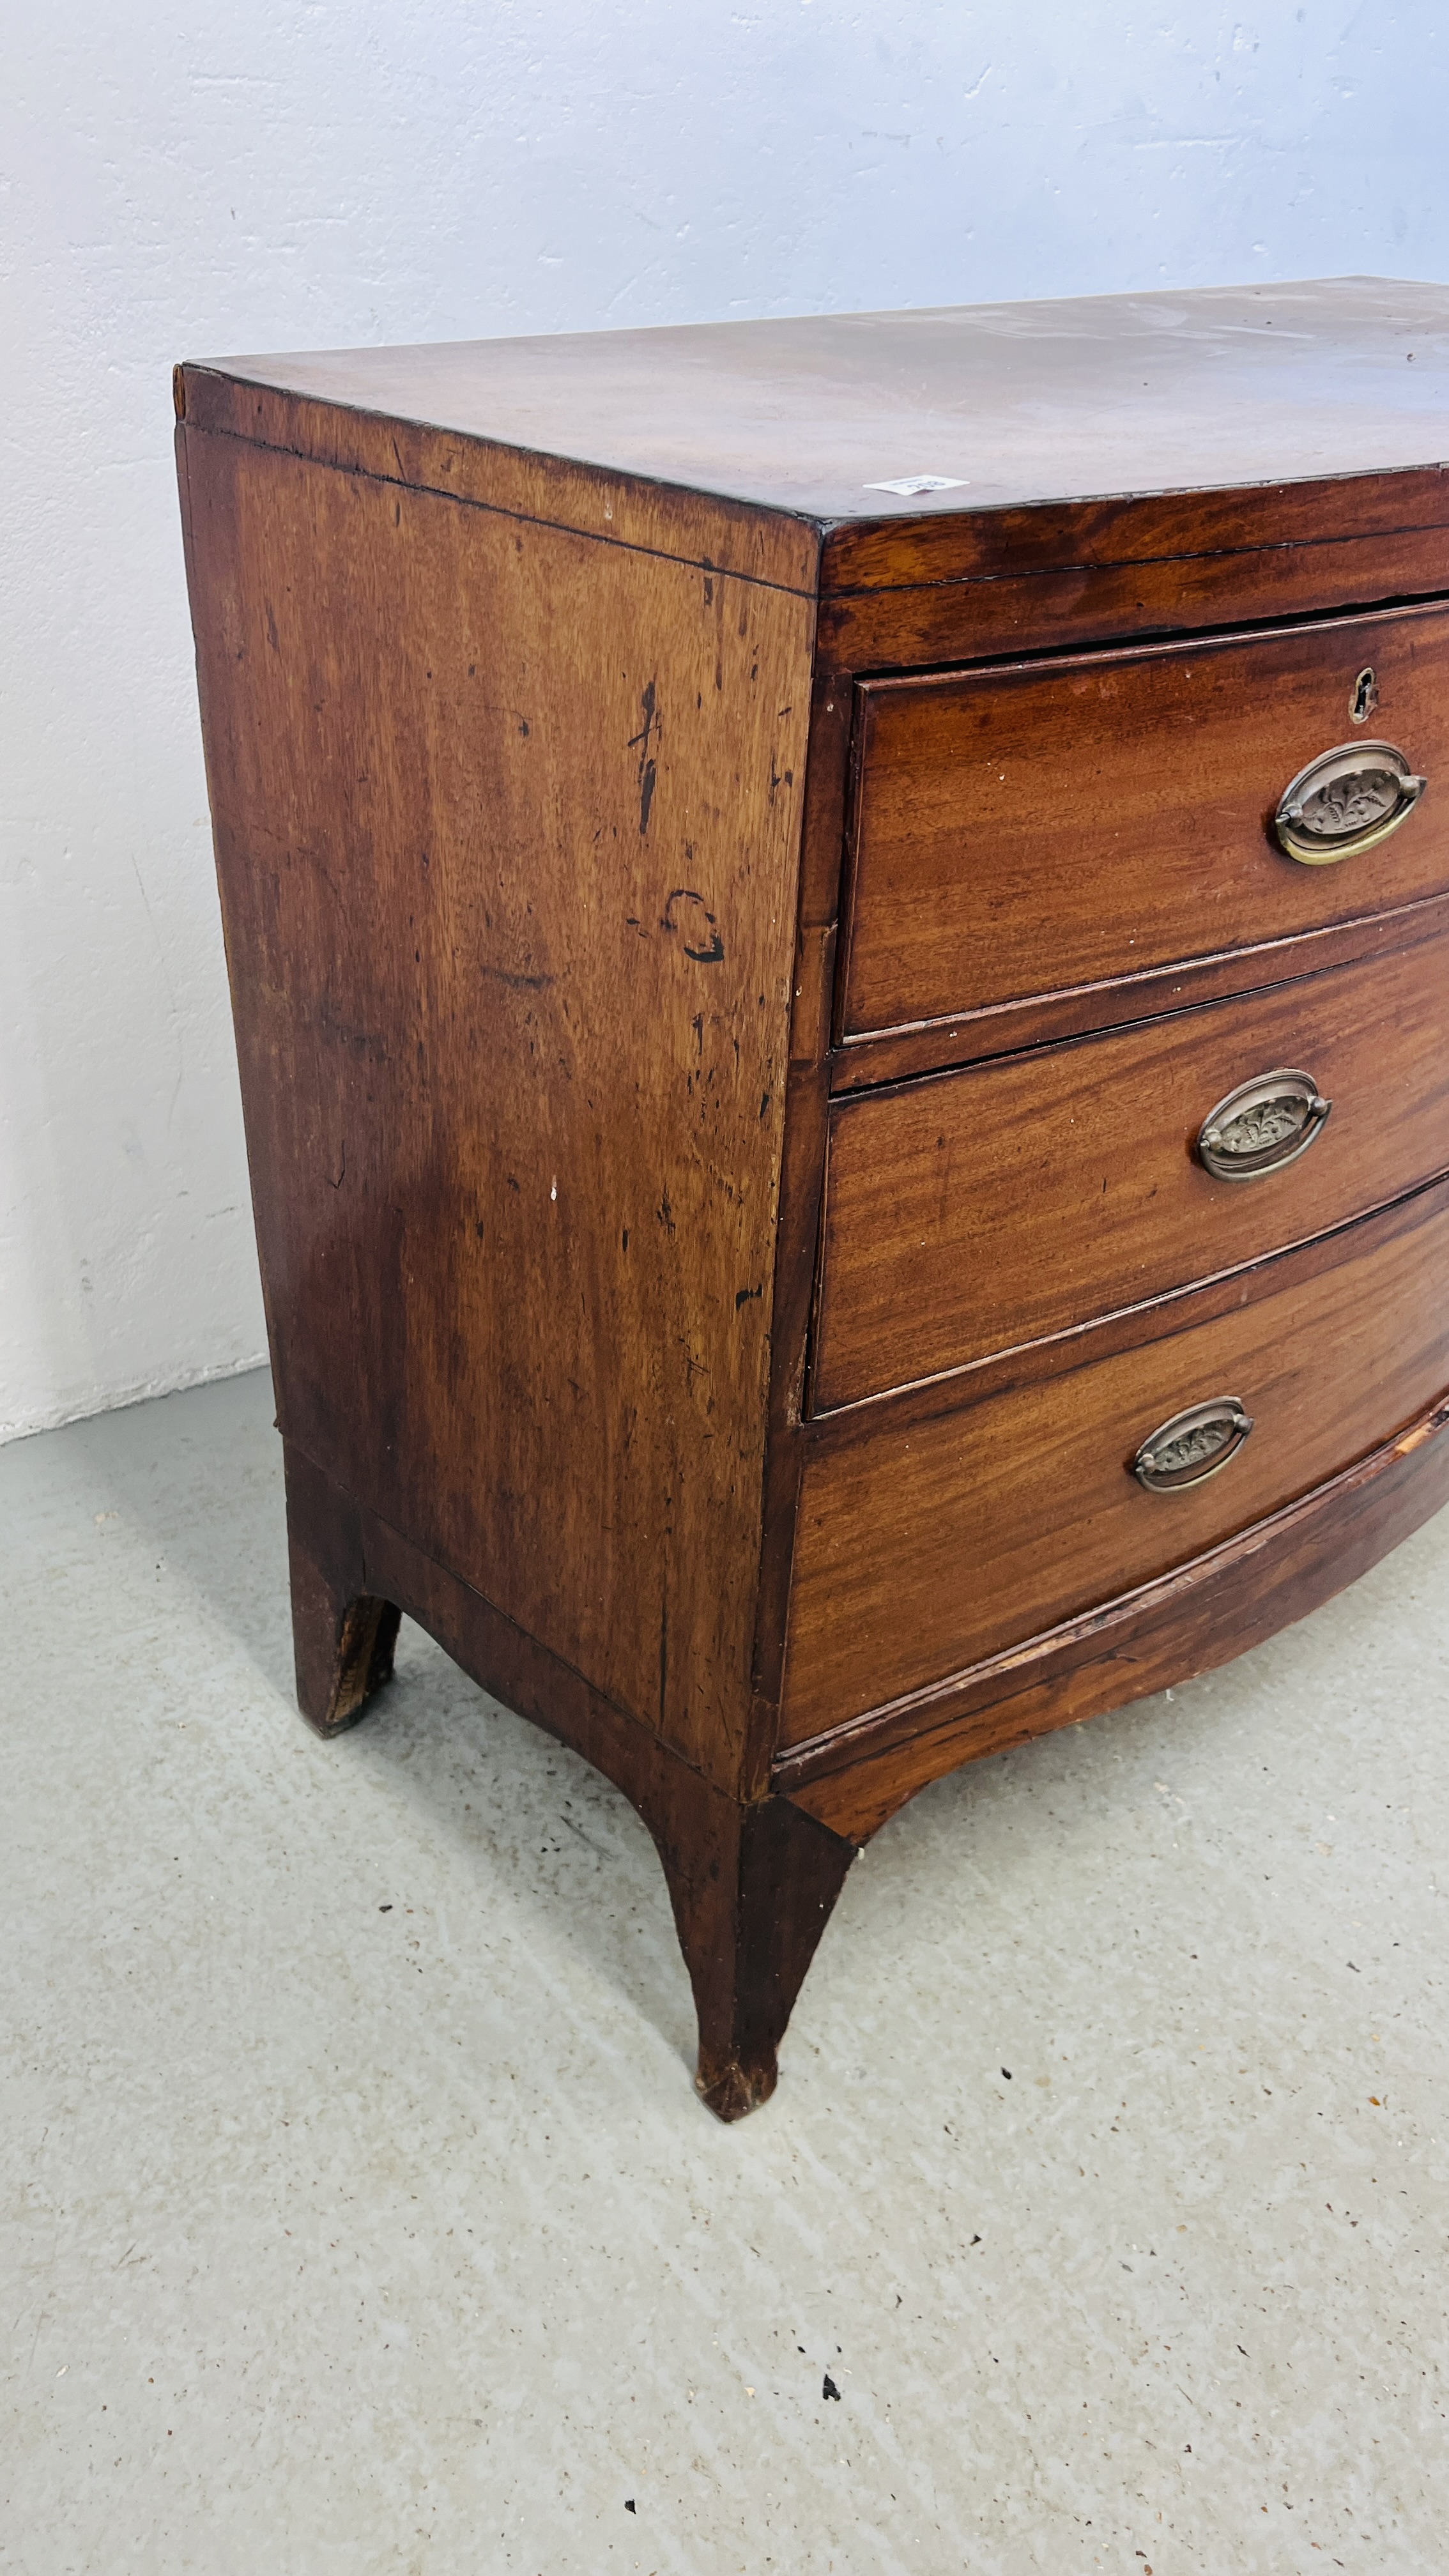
point(347, 2239)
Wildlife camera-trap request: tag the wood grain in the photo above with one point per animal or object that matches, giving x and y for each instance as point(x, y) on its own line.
point(1071, 399)
point(936, 1046)
point(987, 1208)
point(507, 833)
point(1186, 591)
point(1054, 824)
point(1202, 1615)
point(343, 1636)
point(807, 1108)
point(1147, 530)
point(609, 506)
point(921, 1548)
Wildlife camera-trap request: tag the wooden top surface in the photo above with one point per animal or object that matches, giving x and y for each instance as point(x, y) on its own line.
point(1084, 399)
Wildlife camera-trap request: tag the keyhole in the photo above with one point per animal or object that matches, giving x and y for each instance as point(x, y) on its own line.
point(1365, 696)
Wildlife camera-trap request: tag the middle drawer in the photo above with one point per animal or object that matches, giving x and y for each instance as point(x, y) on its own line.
point(970, 1212)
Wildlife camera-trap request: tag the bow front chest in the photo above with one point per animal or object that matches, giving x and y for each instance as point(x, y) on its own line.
point(838, 936)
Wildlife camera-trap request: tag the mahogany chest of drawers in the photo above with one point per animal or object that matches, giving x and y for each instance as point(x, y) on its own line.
point(838, 935)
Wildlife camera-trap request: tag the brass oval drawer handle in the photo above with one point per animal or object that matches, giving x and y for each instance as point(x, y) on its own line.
point(1262, 1126)
point(1192, 1446)
point(1344, 801)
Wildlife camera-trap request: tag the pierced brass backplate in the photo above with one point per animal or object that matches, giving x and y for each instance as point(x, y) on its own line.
point(1345, 801)
point(1262, 1126)
point(1194, 1445)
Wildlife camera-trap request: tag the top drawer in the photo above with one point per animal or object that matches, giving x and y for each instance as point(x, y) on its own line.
point(1041, 826)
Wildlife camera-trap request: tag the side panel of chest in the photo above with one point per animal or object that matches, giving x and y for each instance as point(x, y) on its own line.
point(507, 824)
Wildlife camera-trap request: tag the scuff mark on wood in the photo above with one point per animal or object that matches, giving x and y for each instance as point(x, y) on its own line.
point(701, 939)
point(648, 772)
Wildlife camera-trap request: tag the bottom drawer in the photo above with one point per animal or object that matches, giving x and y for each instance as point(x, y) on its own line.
point(928, 1541)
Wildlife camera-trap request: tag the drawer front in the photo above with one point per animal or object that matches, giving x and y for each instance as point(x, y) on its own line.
point(971, 1212)
point(924, 1544)
point(1040, 827)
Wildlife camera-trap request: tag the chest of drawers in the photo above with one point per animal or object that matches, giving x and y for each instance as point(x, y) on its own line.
point(838, 937)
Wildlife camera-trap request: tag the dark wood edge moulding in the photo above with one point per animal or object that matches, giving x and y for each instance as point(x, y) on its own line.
point(892, 634)
point(865, 558)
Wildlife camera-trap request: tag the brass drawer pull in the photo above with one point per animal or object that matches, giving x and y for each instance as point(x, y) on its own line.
point(1262, 1126)
point(1192, 1446)
point(1346, 800)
